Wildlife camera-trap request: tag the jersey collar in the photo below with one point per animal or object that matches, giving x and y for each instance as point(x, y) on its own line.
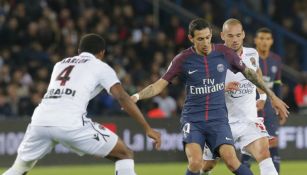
point(87, 54)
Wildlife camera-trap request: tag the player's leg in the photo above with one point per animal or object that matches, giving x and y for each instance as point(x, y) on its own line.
point(259, 149)
point(272, 124)
point(255, 141)
point(208, 165)
point(274, 151)
point(34, 146)
point(208, 161)
point(194, 154)
point(246, 160)
point(95, 139)
point(194, 141)
point(123, 157)
point(219, 139)
point(20, 167)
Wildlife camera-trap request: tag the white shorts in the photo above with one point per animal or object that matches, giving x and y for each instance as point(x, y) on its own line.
point(92, 139)
point(246, 133)
point(243, 134)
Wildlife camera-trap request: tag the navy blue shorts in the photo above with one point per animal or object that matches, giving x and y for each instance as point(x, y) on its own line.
point(214, 134)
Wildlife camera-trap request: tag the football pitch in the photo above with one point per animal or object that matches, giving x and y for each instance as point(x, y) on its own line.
point(287, 168)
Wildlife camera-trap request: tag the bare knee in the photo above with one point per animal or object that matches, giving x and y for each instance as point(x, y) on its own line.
point(120, 151)
point(208, 165)
point(262, 154)
point(195, 164)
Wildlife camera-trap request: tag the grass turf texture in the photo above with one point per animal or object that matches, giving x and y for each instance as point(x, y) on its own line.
point(287, 168)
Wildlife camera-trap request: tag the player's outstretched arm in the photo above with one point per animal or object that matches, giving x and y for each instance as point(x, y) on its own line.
point(280, 107)
point(130, 107)
point(151, 90)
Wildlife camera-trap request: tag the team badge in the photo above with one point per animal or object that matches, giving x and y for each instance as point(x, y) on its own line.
point(253, 61)
point(220, 67)
point(274, 69)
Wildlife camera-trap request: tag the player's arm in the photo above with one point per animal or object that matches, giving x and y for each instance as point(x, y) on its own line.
point(262, 95)
point(279, 106)
point(151, 90)
point(130, 107)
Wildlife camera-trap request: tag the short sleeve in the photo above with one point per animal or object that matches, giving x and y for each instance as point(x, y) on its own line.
point(108, 77)
point(174, 68)
point(234, 60)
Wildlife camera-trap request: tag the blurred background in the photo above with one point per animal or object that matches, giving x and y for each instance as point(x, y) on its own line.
point(142, 38)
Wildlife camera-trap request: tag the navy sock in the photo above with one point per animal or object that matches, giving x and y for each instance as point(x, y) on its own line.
point(246, 160)
point(243, 170)
point(275, 157)
point(188, 172)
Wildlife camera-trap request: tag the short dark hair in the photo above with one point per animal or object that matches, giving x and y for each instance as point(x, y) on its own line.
point(92, 43)
point(264, 30)
point(198, 24)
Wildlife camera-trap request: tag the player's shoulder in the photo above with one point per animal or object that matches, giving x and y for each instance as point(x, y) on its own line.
point(250, 50)
point(220, 47)
point(184, 54)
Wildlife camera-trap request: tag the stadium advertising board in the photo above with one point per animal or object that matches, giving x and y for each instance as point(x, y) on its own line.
point(293, 141)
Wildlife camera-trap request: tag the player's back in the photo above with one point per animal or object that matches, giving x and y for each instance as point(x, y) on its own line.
point(74, 81)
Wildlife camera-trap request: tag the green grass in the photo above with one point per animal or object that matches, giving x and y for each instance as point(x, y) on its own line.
point(288, 168)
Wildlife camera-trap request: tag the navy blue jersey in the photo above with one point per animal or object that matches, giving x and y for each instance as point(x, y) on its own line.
point(271, 70)
point(204, 79)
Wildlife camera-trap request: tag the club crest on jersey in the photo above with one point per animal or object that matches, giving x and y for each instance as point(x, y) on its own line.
point(274, 69)
point(220, 67)
point(253, 61)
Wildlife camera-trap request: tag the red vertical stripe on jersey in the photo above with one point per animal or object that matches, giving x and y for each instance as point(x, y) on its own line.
point(207, 97)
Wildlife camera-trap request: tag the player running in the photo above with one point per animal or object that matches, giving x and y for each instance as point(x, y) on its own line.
point(61, 116)
point(270, 63)
point(204, 116)
point(247, 129)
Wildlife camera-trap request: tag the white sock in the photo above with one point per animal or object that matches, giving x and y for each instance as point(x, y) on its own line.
point(124, 167)
point(267, 167)
point(20, 167)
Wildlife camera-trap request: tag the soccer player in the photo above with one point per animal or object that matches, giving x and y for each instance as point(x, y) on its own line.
point(247, 129)
point(61, 116)
point(270, 64)
point(204, 116)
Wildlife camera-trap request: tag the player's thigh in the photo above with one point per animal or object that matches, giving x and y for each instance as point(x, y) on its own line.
point(193, 133)
point(35, 144)
point(259, 149)
point(92, 139)
point(218, 134)
point(250, 132)
point(194, 153)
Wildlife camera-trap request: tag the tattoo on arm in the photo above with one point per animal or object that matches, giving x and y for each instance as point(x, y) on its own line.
point(251, 75)
point(259, 73)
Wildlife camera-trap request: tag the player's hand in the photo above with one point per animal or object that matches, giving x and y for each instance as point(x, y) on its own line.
point(135, 98)
point(156, 136)
point(260, 104)
point(232, 86)
point(280, 107)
